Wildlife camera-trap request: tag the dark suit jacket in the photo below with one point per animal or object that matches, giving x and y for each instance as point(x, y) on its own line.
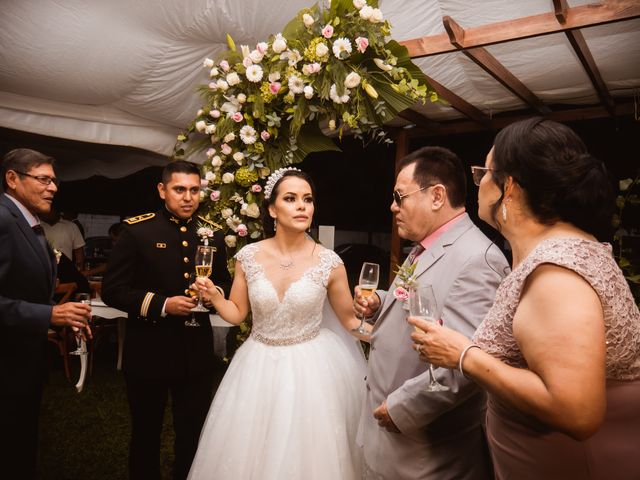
point(150, 262)
point(27, 282)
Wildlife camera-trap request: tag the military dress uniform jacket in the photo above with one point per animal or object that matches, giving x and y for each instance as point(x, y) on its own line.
point(151, 261)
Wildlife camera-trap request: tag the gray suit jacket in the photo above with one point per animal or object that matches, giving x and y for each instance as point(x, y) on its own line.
point(442, 436)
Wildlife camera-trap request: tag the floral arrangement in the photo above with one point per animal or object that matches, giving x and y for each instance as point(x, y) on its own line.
point(405, 280)
point(627, 198)
point(332, 65)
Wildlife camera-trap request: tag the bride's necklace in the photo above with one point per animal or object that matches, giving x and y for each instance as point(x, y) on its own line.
point(286, 264)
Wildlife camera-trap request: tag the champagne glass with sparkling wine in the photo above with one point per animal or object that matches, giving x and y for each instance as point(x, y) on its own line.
point(422, 305)
point(192, 292)
point(368, 283)
point(203, 262)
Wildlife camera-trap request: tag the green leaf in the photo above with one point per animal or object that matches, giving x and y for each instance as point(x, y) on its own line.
point(311, 139)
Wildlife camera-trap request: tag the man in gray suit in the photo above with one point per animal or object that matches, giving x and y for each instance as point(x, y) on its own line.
point(407, 432)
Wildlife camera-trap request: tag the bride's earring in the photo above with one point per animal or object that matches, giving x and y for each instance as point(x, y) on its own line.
point(504, 213)
point(275, 224)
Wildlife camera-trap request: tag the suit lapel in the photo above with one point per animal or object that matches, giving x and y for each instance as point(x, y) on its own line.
point(430, 256)
point(46, 258)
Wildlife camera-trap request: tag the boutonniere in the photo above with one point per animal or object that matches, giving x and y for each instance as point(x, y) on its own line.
point(206, 229)
point(405, 280)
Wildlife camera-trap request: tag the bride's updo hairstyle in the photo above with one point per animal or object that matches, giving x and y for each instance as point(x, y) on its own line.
point(271, 192)
point(560, 179)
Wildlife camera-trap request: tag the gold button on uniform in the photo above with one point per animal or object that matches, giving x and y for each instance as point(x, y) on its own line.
point(186, 274)
point(183, 229)
point(185, 243)
point(186, 260)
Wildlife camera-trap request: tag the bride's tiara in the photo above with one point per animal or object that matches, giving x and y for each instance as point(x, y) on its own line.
point(275, 178)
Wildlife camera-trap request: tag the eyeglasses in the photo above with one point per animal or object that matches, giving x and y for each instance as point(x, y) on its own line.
point(397, 196)
point(478, 173)
point(43, 179)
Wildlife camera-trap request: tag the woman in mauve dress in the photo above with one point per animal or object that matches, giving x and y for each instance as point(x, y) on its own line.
point(559, 351)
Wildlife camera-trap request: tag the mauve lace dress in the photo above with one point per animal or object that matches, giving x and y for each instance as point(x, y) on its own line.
point(521, 446)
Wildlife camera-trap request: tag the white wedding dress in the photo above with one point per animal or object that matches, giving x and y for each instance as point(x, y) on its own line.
point(289, 405)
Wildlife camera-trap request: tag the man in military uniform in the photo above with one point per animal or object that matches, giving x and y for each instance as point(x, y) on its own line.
point(148, 277)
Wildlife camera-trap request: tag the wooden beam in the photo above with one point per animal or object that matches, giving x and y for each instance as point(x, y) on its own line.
point(497, 123)
point(560, 8)
point(402, 150)
point(459, 103)
point(493, 67)
point(526, 27)
point(584, 54)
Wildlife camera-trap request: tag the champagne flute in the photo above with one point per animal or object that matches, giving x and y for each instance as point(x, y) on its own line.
point(193, 293)
point(422, 305)
point(369, 276)
point(82, 344)
point(203, 262)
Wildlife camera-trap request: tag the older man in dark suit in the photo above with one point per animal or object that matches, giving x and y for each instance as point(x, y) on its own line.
point(27, 283)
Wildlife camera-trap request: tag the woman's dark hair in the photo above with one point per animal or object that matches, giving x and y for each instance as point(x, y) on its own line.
point(267, 221)
point(560, 179)
point(439, 165)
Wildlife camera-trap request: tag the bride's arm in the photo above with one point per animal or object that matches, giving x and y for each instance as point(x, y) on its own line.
point(234, 310)
point(342, 302)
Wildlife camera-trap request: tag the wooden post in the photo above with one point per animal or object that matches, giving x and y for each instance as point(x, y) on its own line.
point(402, 150)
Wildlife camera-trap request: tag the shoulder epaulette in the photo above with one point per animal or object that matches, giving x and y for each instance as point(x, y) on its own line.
point(139, 218)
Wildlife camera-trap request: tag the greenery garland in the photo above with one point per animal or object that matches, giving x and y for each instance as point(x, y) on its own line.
point(333, 66)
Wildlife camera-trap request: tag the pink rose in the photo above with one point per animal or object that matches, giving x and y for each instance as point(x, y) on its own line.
point(237, 117)
point(204, 183)
point(262, 47)
point(210, 152)
point(274, 87)
point(265, 135)
point(327, 31)
point(225, 149)
point(215, 195)
point(224, 65)
point(401, 294)
point(362, 43)
point(255, 188)
point(242, 230)
point(247, 62)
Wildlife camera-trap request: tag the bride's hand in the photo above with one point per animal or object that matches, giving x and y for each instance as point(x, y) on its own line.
point(207, 289)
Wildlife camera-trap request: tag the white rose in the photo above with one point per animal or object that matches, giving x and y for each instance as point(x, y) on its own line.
point(214, 72)
point(255, 56)
point(222, 85)
point(308, 92)
point(216, 161)
point(274, 76)
point(352, 80)
point(366, 12)
point(210, 129)
point(229, 137)
point(359, 4)
point(201, 125)
point(252, 210)
point(307, 19)
point(279, 44)
point(230, 241)
point(241, 98)
point(200, 112)
point(226, 212)
point(321, 49)
point(238, 157)
point(209, 176)
point(215, 113)
point(233, 78)
point(208, 63)
point(228, 177)
point(376, 16)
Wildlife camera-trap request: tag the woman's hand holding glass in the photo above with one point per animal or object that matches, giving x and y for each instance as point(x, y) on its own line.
point(365, 306)
point(438, 345)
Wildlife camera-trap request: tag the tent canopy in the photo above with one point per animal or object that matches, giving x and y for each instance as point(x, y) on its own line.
point(124, 74)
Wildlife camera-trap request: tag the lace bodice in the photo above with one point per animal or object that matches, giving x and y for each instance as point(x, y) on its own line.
point(297, 316)
point(594, 262)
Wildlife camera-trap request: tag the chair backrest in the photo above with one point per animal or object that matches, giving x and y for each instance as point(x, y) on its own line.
point(66, 290)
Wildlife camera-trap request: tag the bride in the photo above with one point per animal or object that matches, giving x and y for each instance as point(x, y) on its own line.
point(289, 404)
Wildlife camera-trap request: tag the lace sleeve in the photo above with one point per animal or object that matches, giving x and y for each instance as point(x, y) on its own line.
point(328, 261)
point(246, 258)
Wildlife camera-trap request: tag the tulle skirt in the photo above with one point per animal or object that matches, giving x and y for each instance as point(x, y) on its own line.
point(285, 412)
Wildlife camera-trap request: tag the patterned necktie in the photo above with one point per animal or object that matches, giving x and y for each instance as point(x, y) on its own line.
point(415, 252)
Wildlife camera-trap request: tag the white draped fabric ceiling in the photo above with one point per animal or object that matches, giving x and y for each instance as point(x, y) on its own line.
point(125, 73)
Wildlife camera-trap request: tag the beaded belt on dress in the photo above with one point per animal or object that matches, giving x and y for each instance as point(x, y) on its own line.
point(279, 342)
